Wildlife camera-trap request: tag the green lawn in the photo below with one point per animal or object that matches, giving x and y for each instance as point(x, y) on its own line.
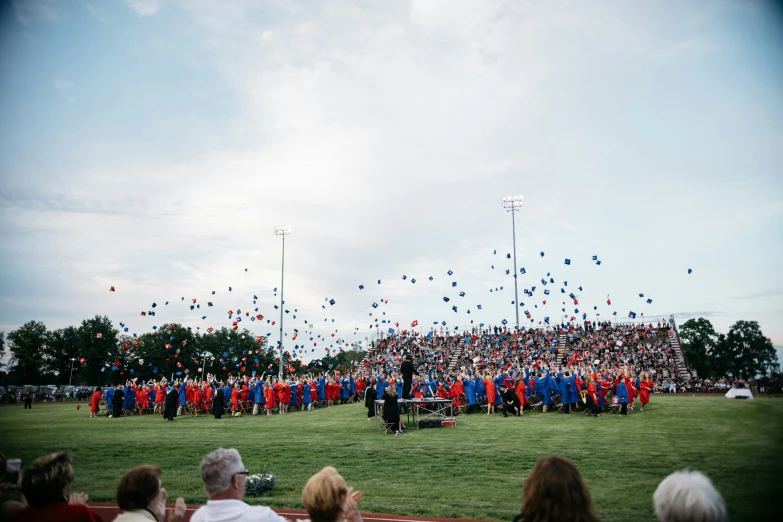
point(474, 471)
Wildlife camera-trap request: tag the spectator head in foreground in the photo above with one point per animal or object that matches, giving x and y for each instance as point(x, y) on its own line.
point(46, 485)
point(141, 492)
point(688, 496)
point(555, 492)
point(224, 475)
point(327, 498)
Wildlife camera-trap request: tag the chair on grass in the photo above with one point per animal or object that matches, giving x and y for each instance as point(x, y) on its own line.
point(535, 402)
point(557, 402)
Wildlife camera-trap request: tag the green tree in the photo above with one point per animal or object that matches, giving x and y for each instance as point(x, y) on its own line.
point(97, 345)
point(745, 352)
point(27, 352)
point(698, 340)
point(62, 345)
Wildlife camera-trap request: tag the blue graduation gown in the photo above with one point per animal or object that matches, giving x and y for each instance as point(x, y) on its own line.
point(345, 388)
point(320, 389)
point(306, 398)
point(351, 386)
point(182, 396)
point(622, 393)
point(481, 391)
point(470, 391)
point(153, 393)
point(258, 393)
point(109, 397)
point(571, 392)
point(294, 390)
point(381, 389)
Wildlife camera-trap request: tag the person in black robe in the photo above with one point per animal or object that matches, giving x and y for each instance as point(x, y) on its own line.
point(218, 404)
point(118, 401)
point(391, 412)
point(510, 401)
point(407, 376)
point(369, 400)
point(172, 400)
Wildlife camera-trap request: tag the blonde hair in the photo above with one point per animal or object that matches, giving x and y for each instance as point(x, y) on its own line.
point(324, 495)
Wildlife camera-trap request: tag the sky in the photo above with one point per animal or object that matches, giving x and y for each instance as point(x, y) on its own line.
point(153, 145)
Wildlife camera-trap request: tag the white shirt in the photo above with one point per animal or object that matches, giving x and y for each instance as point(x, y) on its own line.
point(141, 515)
point(234, 511)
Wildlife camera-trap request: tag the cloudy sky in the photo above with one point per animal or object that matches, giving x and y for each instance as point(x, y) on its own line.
point(152, 145)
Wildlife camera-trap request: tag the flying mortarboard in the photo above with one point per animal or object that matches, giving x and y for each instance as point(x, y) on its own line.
point(595, 258)
point(522, 271)
point(649, 301)
point(450, 272)
point(546, 292)
point(542, 253)
point(361, 287)
point(462, 294)
point(690, 270)
point(632, 315)
point(567, 261)
point(598, 263)
point(508, 256)
point(446, 299)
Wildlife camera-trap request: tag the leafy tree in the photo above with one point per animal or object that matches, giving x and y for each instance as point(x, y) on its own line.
point(698, 339)
point(62, 346)
point(27, 351)
point(745, 352)
point(2, 349)
point(97, 338)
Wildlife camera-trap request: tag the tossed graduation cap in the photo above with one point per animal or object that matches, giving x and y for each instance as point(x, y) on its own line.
point(572, 296)
point(546, 320)
point(494, 252)
point(413, 281)
point(632, 315)
point(562, 290)
point(450, 272)
point(361, 287)
point(454, 308)
point(508, 271)
point(453, 284)
point(580, 288)
point(331, 302)
point(229, 288)
point(649, 301)
point(546, 292)
point(567, 261)
point(542, 253)
point(595, 308)
point(446, 299)
point(595, 258)
point(154, 305)
point(565, 283)
point(641, 295)
point(598, 263)
point(479, 307)
point(443, 323)
point(543, 281)
point(375, 305)
point(462, 294)
point(504, 322)
point(492, 267)
point(690, 270)
point(379, 281)
point(431, 278)
point(508, 256)
point(522, 271)
point(404, 277)
point(576, 310)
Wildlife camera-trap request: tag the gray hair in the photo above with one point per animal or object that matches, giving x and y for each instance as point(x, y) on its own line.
point(218, 468)
point(686, 496)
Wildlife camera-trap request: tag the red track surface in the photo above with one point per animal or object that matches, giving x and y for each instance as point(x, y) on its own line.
point(110, 511)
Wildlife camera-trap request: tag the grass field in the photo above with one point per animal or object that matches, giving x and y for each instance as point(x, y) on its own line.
point(474, 471)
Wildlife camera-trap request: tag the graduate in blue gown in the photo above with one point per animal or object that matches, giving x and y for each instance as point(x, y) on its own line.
point(352, 388)
point(321, 390)
point(258, 394)
point(470, 394)
point(572, 394)
point(345, 388)
point(182, 396)
point(622, 397)
point(381, 387)
point(307, 399)
point(109, 399)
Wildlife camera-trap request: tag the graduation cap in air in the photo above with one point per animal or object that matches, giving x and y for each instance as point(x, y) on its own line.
point(595, 308)
point(546, 292)
point(331, 302)
point(649, 301)
point(454, 308)
point(508, 256)
point(504, 322)
point(580, 288)
point(494, 252)
point(543, 281)
point(641, 295)
point(431, 278)
point(462, 294)
point(446, 299)
point(375, 305)
point(413, 281)
point(522, 271)
point(562, 290)
point(361, 287)
point(690, 270)
point(572, 296)
point(598, 263)
point(508, 271)
point(450, 272)
point(542, 253)
point(229, 288)
point(379, 281)
point(404, 277)
point(154, 305)
point(614, 313)
point(595, 258)
point(192, 307)
point(632, 315)
point(567, 261)
point(479, 307)
point(551, 279)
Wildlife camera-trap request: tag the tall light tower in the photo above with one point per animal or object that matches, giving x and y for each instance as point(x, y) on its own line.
point(513, 204)
point(282, 230)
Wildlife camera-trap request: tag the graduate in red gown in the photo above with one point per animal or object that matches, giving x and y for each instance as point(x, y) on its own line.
point(235, 400)
point(521, 390)
point(95, 402)
point(286, 397)
point(269, 396)
point(143, 399)
point(489, 386)
point(645, 388)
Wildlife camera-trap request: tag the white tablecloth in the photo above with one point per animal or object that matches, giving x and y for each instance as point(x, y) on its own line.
point(735, 393)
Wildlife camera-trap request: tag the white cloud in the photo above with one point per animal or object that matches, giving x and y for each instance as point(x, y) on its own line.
point(145, 7)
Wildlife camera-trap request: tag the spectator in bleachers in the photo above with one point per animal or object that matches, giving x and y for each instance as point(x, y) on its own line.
point(46, 486)
point(688, 496)
point(555, 492)
point(224, 478)
point(327, 498)
point(141, 494)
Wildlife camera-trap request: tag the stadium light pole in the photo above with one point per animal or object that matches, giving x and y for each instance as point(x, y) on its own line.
point(282, 230)
point(70, 379)
point(513, 204)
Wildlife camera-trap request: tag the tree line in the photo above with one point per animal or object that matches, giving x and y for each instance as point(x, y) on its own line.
point(98, 354)
point(741, 353)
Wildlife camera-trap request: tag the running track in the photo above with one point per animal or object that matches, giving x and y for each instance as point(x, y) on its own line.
point(109, 512)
